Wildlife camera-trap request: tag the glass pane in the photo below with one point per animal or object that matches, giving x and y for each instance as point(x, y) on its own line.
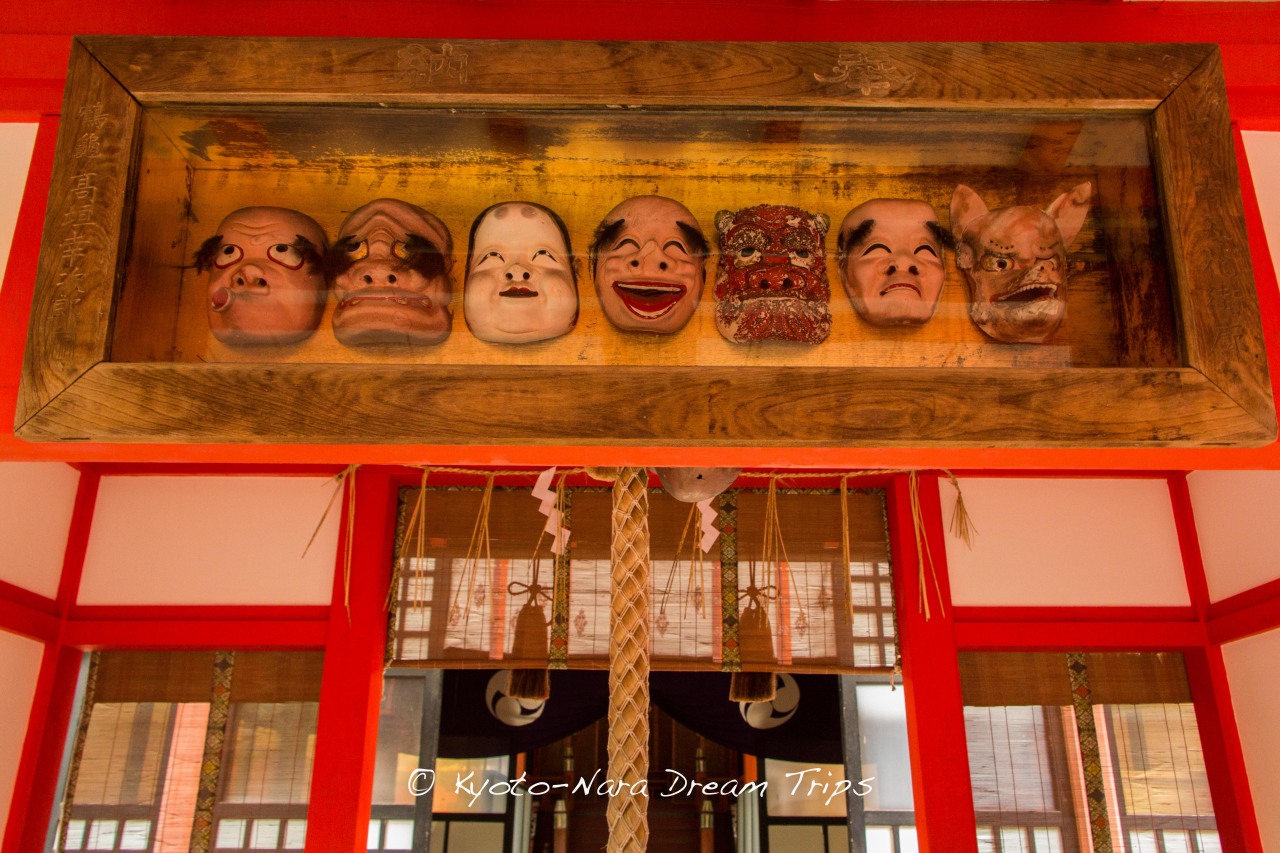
point(908, 841)
point(1143, 842)
point(1014, 840)
point(837, 837)
point(795, 839)
point(438, 830)
point(269, 752)
point(1010, 762)
point(880, 839)
point(295, 834)
point(986, 839)
point(399, 732)
point(1160, 762)
point(123, 753)
point(135, 834)
point(800, 789)
point(882, 720)
point(1048, 840)
point(102, 835)
point(469, 837)
point(373, 838)
point(1209, 842)
point(472, 773)
point(1177, 841)
point(230, 834)
point(75, 835)
point(399, 835)
point(265, 834)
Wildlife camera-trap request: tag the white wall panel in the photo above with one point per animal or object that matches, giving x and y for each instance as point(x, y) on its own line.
point(36, 501)
point(1058, 542)
point(19, 671)
point(1236, 516)
point(210, 540)
point(1251, 672)
point(16, 144)
point(1263, 150)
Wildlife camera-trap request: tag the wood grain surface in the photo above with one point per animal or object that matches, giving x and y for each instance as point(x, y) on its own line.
point(391, 72)
point(627, 406)
point(86, 232)
point(1217, 299)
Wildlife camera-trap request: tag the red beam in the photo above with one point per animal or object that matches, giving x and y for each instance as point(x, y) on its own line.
point(36, 784)
point(196, 634)
point(1079, 636)
point(1233, 805)
point(27, 622)
point(1073, 614)
point(1184, 520)
point(1253, 611)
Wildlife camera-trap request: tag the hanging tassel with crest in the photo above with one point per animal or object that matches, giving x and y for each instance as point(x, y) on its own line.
point(530, 641)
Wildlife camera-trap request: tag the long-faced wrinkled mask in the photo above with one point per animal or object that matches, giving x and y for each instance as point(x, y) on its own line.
point(773, 279)
point(1015, 261)
point(390, 272)
point(265, 276)
point(647, 260)
point(520, 286)
point(890, 258)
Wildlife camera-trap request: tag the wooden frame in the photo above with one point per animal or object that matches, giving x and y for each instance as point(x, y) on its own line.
point(71, 389)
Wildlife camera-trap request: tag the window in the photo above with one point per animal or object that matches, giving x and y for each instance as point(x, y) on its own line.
point(1049, 734)
point(193, 751)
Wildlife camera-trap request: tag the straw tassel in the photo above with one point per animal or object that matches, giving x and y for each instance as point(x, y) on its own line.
point(961, 524)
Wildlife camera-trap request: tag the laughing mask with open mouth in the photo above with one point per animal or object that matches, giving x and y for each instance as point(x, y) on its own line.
point(773, 278)
point(647, 260)
point(890, 260)
point(520, 284)
point(390, 273)
point(1015, 261)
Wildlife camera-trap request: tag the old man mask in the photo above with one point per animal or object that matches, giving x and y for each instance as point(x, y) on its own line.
point(265, 276)
point(890, 259)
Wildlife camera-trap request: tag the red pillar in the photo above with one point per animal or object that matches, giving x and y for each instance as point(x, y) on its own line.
point(351, 685)
point(931, 676)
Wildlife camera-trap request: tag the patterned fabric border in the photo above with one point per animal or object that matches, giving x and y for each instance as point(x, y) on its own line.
point(82, 733)
point(1090, 753)
point(397, 571)
point(214, 739)
point(727, 521)
point(893, 588)
point(558, 650)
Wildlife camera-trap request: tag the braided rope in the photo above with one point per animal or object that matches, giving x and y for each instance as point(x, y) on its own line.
point(627, 813)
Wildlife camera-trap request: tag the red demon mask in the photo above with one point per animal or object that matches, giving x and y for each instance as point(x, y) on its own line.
point(773, 275)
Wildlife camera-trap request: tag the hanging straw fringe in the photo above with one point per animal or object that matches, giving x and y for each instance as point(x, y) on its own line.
point(349, 545)
point(478, 546)
point(417, 531)
point(922, 549)
point(961, 526)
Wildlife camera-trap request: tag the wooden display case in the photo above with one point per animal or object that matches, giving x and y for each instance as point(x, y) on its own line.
point(161, 137)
